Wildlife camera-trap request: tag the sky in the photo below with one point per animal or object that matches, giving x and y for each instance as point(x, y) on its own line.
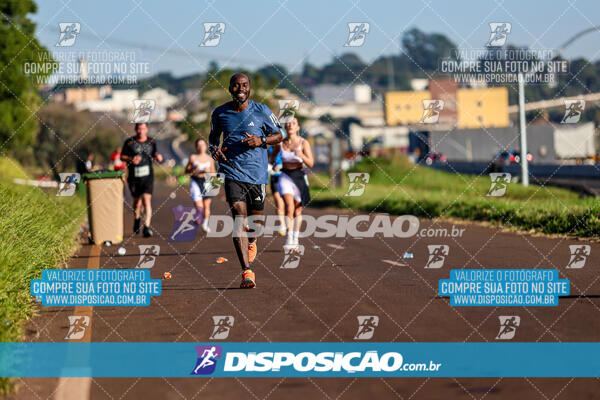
point(259, 33)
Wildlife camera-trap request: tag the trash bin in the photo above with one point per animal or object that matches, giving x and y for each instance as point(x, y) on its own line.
point(105, 205)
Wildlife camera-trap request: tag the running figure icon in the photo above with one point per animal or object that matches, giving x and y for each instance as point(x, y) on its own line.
point(187, 223)
point(207, 359)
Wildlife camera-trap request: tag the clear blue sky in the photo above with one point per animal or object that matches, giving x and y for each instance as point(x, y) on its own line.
point(263, 32)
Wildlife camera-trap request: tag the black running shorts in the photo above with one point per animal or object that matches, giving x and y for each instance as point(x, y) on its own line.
point(139, 186)
point(250, 193)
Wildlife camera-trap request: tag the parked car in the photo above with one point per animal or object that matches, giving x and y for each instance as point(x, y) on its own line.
point(430, 158)
point(506, 158)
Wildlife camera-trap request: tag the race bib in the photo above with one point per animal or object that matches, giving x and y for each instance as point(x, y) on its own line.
point(141, 171)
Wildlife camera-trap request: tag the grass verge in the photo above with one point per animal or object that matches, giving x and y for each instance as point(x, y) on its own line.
point(398, 187)
point(37, 231)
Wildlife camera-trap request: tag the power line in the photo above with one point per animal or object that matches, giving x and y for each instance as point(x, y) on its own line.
point(176, 51)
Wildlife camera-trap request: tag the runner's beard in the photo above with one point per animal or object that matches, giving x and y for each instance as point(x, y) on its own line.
point(237, 100)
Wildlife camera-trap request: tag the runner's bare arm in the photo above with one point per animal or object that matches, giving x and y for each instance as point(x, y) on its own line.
point(271, 127)
point(306, 154)
point(275, 138)
point(256, 141)
point(252, 140)
point(214, 140)
point(134, 159)
point(189, 168)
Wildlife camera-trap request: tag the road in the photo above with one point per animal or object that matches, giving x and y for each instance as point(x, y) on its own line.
point(337, 280)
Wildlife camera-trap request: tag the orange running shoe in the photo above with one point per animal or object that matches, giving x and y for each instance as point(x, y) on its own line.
point(252, 250)
point(248, 279)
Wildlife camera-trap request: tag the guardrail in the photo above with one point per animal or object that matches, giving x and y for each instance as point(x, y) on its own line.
point(33, 182)
point(535, 170)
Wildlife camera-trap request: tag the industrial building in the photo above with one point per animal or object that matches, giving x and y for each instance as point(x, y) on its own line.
point(465, 108)
point(546, 142)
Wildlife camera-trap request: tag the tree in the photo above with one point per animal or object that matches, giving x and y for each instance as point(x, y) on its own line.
point(343, 69)
point(273, 71)
point(66, 136)
point(20, 52)
point(310, 72)
point(425, 50)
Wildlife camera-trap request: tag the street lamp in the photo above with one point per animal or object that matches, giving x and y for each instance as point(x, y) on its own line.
point(523, 131)
point(522, 121)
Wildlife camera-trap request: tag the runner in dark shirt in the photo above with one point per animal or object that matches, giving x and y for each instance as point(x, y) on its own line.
point(138, 152)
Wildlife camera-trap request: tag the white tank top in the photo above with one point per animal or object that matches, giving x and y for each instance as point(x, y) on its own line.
point(290, 156)
point(201, 166)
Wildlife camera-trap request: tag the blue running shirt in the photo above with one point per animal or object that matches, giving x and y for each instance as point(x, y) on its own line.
point(258, 120)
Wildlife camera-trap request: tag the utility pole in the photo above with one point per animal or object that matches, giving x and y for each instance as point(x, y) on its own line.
point(391, 78)
point(523, 132)
point(336, 175)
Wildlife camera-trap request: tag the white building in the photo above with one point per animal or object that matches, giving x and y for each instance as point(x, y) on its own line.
point(161, 97)
point(316, 128)
point(369, 114)
point(419, 84)
point(385, 137)
point(118, 101)
point(334, 94)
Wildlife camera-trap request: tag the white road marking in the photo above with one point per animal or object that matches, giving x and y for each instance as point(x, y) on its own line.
point(397, 264)
point(79, 388)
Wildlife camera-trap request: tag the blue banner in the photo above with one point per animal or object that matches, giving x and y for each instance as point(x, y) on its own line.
point(504, 287)
point(225, 359)
point(95, 287)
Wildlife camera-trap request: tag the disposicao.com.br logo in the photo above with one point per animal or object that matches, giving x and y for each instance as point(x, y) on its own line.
point(335, 363)
point(328, 226)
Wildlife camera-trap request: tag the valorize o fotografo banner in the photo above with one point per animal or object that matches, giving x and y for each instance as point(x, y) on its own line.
point(303, 359)
point(95, 287)
point(504, 287)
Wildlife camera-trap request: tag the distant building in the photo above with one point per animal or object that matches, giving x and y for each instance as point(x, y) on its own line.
point(419, 84)
point(546, 142)
point(283, 93)
point(118, 101)
point(369, 114)
point(447, 91)
point(405, 107)
point(379, 137)
point(317, 128)
point(161, 97)
point(335, 94)
point(80, 94)
point(486, 107)
point(464, 108)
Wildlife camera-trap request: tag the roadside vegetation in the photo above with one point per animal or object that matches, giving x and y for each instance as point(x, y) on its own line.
point(398, 187)
point(37, 231)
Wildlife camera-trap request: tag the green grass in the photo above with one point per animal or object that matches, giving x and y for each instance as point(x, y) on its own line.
point(37, 231)
point(398, 187)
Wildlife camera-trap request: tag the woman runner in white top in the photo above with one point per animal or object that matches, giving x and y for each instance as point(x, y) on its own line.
point(293, 184)
point(199, 164)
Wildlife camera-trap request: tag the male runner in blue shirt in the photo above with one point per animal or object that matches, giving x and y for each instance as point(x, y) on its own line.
point(247, 128)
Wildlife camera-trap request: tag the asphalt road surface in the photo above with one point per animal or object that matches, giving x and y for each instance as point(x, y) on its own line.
point(336, 280)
